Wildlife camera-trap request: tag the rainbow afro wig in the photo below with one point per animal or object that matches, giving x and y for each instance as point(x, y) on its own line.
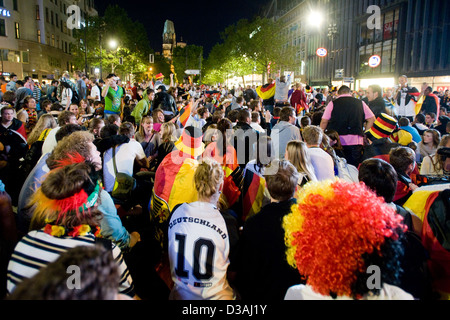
point(336, 231)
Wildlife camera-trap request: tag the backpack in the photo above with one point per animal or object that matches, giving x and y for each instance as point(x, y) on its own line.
point(346, 172)
point(75, 97)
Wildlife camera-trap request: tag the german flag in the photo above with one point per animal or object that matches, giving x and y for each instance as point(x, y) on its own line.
point(267, 91)
point(254, 191)
point(174, 185)
point(185, 114)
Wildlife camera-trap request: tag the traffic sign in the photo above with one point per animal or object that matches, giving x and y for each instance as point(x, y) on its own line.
point(192, 72)
point(322, 52)
point(374, 61)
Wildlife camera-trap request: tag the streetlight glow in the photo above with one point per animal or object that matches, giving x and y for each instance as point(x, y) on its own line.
point(113, 44)
point(315, 18)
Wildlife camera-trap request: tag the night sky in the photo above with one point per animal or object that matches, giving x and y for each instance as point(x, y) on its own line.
point(198, 22)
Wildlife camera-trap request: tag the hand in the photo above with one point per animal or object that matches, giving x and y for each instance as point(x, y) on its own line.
point(135, 237)
point(413, 187)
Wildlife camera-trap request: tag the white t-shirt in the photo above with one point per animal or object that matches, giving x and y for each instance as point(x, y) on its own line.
point(66, 97)
point(95, 92)
point(323, 164)
point(198, 252)
point(388, 292)
point(126, 154)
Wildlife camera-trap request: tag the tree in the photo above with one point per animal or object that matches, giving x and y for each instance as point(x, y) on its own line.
point(187, 58)
point(249, 46)
point(131, 37)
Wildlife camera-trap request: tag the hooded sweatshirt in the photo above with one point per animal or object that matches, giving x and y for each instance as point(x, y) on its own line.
point(282, 134)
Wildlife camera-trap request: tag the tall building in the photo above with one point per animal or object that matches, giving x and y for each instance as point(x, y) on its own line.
point(169, 39)
point(368, 41)
point(36, 36)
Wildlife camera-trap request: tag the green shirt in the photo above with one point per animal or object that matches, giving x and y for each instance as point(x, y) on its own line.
point(113, 100)
point(141, 109)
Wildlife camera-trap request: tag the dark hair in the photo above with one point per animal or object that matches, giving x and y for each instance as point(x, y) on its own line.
point(401, 158)
point(99, 277)
point(127, 129)
point(377, 89)
point(286, 113)
point(244, 115)
point(64, 117)
point(9, 96)
point(222, 142)
point(67, 130)
point(109, 130)
point(344, 90)
point(403, 122)
point(379, 176)
point(283, 184)
point(233, 115)
point(305, 121)
point(276, 111)
point(420, 118)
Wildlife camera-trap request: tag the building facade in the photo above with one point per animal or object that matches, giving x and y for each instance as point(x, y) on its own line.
point(36, 36)
point(368, 41)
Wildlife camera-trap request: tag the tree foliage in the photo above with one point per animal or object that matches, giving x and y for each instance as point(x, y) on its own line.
point(248, 47)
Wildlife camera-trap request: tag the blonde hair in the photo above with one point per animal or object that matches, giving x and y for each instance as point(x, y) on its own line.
point(208, 178)
point(313, 135)
point(141, 127)
point(297, 154)
point(167, 130)
point(46, 121)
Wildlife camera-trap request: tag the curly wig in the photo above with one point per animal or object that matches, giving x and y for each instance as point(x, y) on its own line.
point(336, 231)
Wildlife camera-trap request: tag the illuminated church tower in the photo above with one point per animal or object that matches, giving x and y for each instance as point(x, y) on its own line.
point(169, 39)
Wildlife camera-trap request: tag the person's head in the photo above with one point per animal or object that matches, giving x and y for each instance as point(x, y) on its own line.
point(46, 121)
point(68, 197)
point(255, 106)
point(217, 116)
point(240, 100)
point(430, 118)
point(443, 154)
point(46, 105)
point(379, 176)
point(66, 117)
point(287, 114)
point(114, 119)
point(313, 136)
point(8, 114)
point(78, 74)
point(403, 159)
point(13, 77)
point(297, 154)
point(158, 116)
point(95, 126)
point(404, 122)
point(442, 112)
point(146, 126)
point(127, 129)
point(305, 121)
point(84, 104)
point(431, 137)
point(209, 180)
point(283, 79)
point(403, 80)
point(256, 118)
point(167, 131)
point(330, 244)
point(99, 278)
point(335, 139)
point(109, 130)
point(30, 102)
point(344, 90)
point(9, 97)
point(374, 91)
point(428, 90)
point(245, 116)
point(150, 94)
point(264, 152)
point(420, 118)
point(74, 109)
point(233, 115)
point(282, 185)
point(67, 130)
point(203, 113)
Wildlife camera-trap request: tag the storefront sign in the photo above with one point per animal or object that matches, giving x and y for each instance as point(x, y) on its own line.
point(322, 52)
point(374, 61)
point(5, 13)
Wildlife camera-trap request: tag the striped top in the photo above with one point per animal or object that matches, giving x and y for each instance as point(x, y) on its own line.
point(38, 249)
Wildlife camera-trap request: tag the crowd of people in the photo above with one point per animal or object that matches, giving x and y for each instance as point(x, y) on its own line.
point(167, 191)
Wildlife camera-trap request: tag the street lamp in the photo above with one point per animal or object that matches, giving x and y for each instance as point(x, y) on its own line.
point(113, 45)
point(332, 34)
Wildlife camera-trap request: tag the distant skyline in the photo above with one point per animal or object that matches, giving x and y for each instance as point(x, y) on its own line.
point(197, 22)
